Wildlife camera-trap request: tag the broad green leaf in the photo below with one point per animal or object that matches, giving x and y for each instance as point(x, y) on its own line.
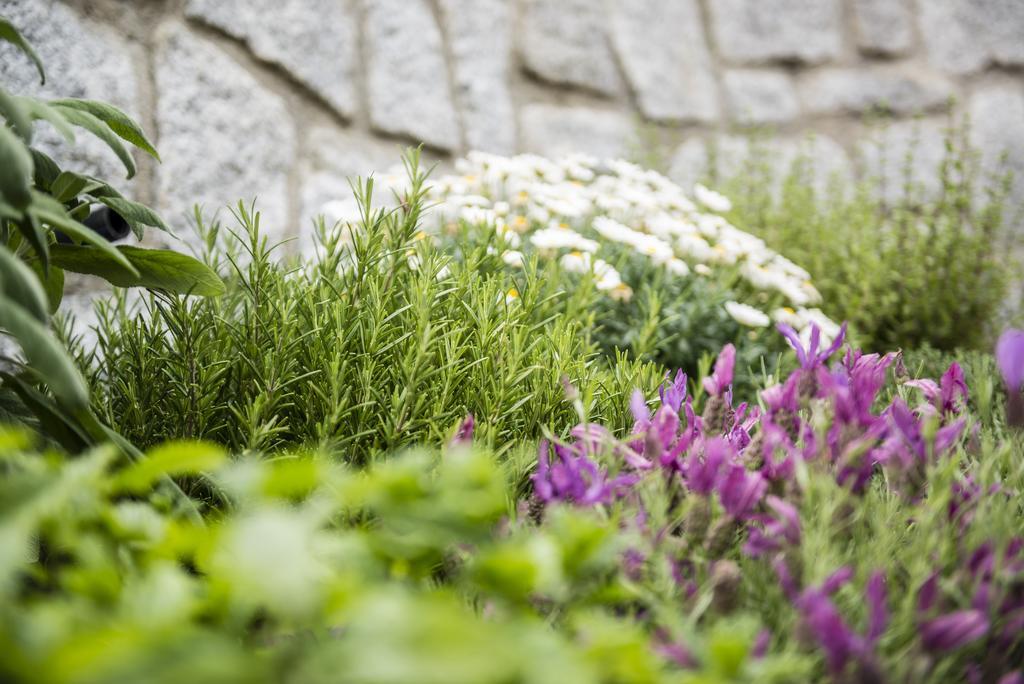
point(53, 283)
point(16, 115)
point(137, 215)
point(172, 458)
point(46, 170)
point(19, 283)
point(38, 109)
point(158, 269)
point(95, 126)
point(56, 424)
point(67, 186)
point(15, 169)
point(52, 212)
point(45, 355)
point(118, 121)
point(13, 36)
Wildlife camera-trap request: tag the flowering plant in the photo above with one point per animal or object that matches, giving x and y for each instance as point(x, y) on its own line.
point(672, 278)
point(719, 496)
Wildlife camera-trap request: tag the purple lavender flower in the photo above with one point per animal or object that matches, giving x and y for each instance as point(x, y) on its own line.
point(825, 625)
point(719, 382)
point(1010, 359)
point(878, 615)
point(907, 441)
point(823, 622)
point(812, 359)
point(573, 477)
point(779, 531)
point(740, 491)
point(703, 467)
point(953, 630)
point(464, 435)
point(949, 395)
point(761, 644)
point(674, 393)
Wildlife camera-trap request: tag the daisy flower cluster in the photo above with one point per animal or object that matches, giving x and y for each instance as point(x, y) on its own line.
point(579, 209)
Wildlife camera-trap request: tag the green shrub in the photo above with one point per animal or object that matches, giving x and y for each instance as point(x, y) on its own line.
point(905, 272)
point(381, 340)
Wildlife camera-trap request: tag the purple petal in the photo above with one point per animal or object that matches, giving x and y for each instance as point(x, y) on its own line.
point(953, 630)
point(929, 388)
point(836, 344)
point(878, 616)
point(927, 594)
point(761, 643)
point(1010, 358)
point(794, 341)
point(638, 407)
point(836, 580)
point(789, 516)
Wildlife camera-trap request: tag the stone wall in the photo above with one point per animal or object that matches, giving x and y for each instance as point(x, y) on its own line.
point(283, 99)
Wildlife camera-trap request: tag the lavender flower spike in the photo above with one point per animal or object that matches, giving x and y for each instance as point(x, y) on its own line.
point(953, 630)
point(1010, 359)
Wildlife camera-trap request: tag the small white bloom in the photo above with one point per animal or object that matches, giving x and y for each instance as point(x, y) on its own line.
point(513, 258)
point(789, 317)
point(677, 267)
point(711, 199)
point(562, 238)
point(747, 315)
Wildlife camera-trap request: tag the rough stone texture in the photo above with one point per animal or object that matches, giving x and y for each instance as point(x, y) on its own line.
point(237, 82)
point(313, 40)
point(565, 42)
point(479, 36)
point(223, 137)
point(407, 77)
point(661, 46)
point(554, 130)
point(997, 114)
point(884, 154)
point(82, 59)
point(964, 36)
point(760, 97)
point(854, 91)
point(805, 31)
point(884, 27)
point(725, 156)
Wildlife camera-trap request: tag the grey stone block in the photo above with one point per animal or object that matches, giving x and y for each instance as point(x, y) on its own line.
point(725, 156)
point(555, 131)
point(410, 94)
point(755, 31)
point(884, 27)
point(997, 131)
point(224, 137)
point(480, 43)
point(313, 40)
point(566, 42)
point(661, 46)
point(758, 96)
point(963, 37)
point(855, 91)
point(82, 59)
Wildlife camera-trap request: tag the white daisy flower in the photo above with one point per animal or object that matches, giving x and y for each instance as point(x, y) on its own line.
point(747, 315)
